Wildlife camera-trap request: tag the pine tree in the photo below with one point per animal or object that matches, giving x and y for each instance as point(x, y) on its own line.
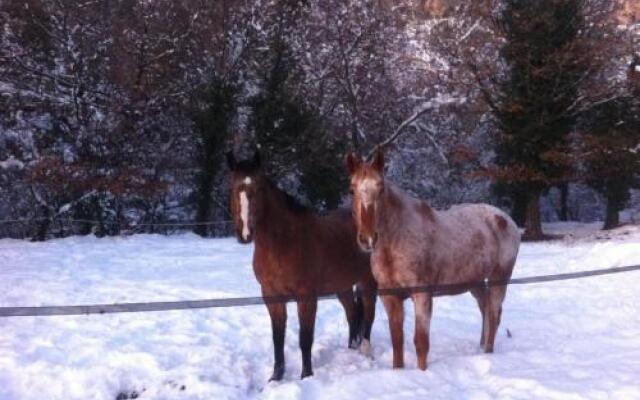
point(212, 118)
point(547, 62)
point(611, 149)
point(293, 136)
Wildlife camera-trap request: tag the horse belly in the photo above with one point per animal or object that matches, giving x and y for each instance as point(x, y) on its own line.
point(338, 260)
point(339, 274)
point(469, 258)
point(280, 276)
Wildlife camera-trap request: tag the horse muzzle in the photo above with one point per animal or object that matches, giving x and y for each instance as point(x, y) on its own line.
point(244, 237)
point(368, 242)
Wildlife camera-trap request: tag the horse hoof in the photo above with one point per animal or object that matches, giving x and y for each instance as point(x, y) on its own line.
point(306, 374)
point(398, 364)
point(278, 373)
point(366, 349)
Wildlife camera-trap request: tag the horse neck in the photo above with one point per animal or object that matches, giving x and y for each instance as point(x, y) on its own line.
point(388, 209)
point(396, 209)
point(273, 212)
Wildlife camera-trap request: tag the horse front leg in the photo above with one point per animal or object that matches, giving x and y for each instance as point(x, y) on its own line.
point(423, 304)
point(307, 318)
point(393, 305)
point(278, 314)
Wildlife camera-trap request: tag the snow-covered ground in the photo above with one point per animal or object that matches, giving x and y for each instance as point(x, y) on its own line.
point(569, 340)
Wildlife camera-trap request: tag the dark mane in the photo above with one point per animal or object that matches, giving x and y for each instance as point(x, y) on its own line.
point(246, 167)
point(292, 204)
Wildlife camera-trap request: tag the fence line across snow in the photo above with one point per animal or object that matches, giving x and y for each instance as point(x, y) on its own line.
point(249, 301)
point(131, 225)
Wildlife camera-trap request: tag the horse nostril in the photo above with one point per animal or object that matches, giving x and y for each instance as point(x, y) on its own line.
point(374, 239)
point(367, 243)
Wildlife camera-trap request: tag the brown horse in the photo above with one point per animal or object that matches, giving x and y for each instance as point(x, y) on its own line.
point(299, 253)
point(415, 245)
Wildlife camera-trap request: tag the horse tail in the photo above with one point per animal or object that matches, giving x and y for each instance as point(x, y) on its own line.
point(508, 237)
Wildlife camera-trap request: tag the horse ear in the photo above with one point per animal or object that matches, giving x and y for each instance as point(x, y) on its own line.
point(378, 160)
point(353, 162)
point(231, 160)
point(256, 161)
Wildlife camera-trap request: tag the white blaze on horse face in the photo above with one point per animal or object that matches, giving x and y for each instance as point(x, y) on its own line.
point(244, 214)
point(367, 189)
point(247, 181)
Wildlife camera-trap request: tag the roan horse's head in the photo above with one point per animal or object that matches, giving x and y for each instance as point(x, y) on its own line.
point(246, 176)
point(366, 186)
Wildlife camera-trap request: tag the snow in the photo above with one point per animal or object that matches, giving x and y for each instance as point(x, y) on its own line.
point(570, 339)
point(11, 163)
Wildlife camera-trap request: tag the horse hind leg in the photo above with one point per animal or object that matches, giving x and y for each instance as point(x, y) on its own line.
point(353, 311)
point(493, 314)
point(480, 294)
point(369, 314)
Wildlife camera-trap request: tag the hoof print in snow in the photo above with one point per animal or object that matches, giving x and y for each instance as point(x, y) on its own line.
point(134, 394)
point(177, 386)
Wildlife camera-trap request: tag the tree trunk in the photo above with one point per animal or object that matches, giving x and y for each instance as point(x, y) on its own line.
point(117, 229)
point(533, 224)
point(355, 140)
point(42, 227)
point(519, 212)
point(564, 198)
point(612, 218)
point(203, 198)
point(99, 228)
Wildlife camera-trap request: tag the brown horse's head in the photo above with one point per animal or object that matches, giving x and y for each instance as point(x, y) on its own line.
point(245, 179)
point(366, 186)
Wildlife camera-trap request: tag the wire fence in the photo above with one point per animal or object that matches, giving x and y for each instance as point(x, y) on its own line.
point(132, 224)
point(61, 226)
point(441, 289)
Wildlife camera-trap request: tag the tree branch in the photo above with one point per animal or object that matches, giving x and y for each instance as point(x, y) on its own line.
point(435, 103)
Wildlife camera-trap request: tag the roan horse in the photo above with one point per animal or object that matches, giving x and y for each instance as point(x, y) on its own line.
point(302, 254)
point(414, 245)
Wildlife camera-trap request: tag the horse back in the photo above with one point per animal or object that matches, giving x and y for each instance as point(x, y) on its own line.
point(485, 234)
